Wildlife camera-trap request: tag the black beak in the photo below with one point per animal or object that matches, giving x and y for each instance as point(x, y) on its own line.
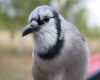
point(29, 29)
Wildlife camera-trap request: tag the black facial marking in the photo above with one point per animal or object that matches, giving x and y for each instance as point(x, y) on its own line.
point(46, 19)
point(58, 25)
point(40, 22)
point(54, 51)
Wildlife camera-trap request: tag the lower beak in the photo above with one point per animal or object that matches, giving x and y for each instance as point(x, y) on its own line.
point(28, 29)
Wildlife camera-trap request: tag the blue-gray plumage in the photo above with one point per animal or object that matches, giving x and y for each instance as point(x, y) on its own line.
point(60, 51)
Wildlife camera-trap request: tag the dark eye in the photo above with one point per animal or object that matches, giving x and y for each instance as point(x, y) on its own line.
point(46, 19)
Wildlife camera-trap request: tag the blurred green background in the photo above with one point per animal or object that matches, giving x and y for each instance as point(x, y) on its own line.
point(15, 51)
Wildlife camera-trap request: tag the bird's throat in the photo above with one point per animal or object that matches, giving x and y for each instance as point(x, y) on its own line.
point(52, 51)
point(48, 45)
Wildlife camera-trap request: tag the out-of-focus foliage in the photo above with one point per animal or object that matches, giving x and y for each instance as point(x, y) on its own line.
point(81, 21)
point(14, 14)
point(66, 6)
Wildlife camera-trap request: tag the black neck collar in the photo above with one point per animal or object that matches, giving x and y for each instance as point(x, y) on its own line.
point(55, 50)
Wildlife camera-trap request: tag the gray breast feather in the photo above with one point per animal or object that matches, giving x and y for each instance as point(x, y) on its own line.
point(68, 27)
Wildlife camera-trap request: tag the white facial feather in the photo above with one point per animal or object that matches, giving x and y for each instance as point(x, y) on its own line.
point(46, 37)
point(44, 13)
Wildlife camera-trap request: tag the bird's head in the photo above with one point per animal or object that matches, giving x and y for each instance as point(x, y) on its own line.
point(42, 16)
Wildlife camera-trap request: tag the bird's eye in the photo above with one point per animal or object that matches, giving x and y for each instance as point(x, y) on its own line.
point(46, 19)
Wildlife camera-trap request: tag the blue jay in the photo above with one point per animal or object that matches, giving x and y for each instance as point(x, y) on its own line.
point(60, 51)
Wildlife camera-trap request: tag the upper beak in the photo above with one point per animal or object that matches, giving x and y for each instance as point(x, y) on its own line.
point(28, 29)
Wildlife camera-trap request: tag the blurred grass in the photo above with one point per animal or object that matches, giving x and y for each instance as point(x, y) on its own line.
point(8, 50)
point(15, 67)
